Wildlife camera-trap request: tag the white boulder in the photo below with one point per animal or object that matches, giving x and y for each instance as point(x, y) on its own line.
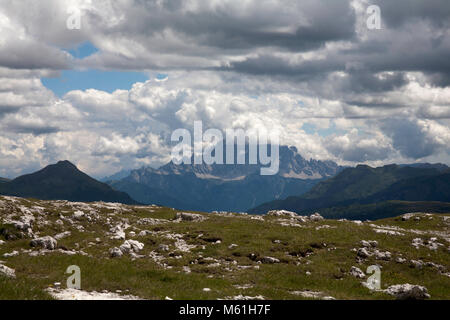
point(408, 292)
point(357, 273)
point(7, 272)
point(62, 235)
point(315, 217)
point(282, 213)
point(46, 242)
point(270, 260)
point(185, 216)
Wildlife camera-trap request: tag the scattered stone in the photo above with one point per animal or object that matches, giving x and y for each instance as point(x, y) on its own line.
point(46, 242)
point(400, 260)
point(389, 232)
point(15, 253)
point(115, 252)
point(282, 213)
point(325, 226)
point(408, 292)
point(270, 260)
point(62, 235)
point(418, 264)
point(144, 233)
point(77, 215)
point(185, 216)
point(118, 232)
point(243, 287)
point(408, 216)
point(431, 244)
point(73, 294)
point(365, 244)
point(363, 253)
point(7, 272)
point(312, 295)
point(130, 246)
point(315, 217)
point(163, 248)
point(242, 297)
point(357, 273)
point(439, 267)
point(379, 255)
point(186, 269)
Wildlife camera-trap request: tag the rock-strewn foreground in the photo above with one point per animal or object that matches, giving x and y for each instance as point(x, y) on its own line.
point(152, 252)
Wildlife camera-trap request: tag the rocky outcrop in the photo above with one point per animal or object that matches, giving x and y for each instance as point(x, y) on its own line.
point(357, 273)
point(185, 216)
point(7, 272)
point(131, 247)
point(315, 217)
point(282, 213)
point(46, 242)
point(408, 292)
point(270, 260)
point(63, 235)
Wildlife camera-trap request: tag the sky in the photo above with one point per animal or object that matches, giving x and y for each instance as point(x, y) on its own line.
point(108, 95)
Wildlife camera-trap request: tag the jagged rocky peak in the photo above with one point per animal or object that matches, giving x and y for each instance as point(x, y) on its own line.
point(292, 165)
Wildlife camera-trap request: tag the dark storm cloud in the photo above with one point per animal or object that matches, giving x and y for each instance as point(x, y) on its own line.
point(409, 138)
point(398, 12)
point(232, 27)
point(35, 130)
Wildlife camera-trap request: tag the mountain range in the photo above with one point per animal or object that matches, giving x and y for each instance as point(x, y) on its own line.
point(364, 192)
point(235, 187)
point(302, 186)
point(62, 181)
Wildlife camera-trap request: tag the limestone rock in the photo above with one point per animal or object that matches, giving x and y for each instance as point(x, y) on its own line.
point(315, 217)
point(270, 260)
point(8, 272)
point(185, 216)
point(357, 273)
point(282, 213)
point(46, 242)
point(363, 253)
point(408, 292)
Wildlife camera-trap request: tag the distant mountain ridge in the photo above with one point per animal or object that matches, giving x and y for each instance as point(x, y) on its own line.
point(63, 181)
point(117, 176)
point(363, 185)
point(225, 187)
point(292, 165)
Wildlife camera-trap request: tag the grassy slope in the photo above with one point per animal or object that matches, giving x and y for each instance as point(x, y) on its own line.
point(144, 278)
point(381, 210)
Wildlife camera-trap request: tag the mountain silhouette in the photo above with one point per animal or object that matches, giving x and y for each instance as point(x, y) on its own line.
point(63, 181)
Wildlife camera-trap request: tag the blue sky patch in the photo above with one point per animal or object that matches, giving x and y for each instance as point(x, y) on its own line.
point(84, 50)
point(108, 81)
